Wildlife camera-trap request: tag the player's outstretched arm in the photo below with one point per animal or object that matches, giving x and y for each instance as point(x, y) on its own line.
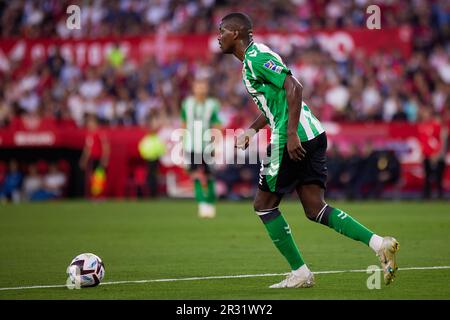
point(259, 123)
point(294, 93)
point(243, 140)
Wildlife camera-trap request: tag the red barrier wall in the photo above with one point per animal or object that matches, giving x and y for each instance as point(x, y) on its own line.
point(49, 133)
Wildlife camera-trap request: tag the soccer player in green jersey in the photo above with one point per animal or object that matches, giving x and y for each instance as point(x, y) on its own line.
point(199, 114)
point(297, 154)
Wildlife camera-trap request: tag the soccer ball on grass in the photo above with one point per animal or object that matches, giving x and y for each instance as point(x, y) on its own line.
point(85, 270)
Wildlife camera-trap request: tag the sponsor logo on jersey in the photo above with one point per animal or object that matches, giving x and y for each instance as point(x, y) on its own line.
point(272, 66)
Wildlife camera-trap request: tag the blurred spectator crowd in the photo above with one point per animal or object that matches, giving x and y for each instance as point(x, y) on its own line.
point(46, 18)
point(383, 87)
point(35, 181)
point(363, 174)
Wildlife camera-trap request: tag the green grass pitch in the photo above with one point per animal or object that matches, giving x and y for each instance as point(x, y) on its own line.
point(164, 239)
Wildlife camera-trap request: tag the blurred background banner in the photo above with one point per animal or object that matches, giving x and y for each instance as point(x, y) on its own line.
point(94, 52)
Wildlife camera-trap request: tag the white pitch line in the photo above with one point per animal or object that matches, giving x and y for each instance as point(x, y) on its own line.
point(221, 277)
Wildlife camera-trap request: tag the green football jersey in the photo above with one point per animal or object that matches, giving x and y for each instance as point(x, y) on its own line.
point(263, 74)
point(199, 118)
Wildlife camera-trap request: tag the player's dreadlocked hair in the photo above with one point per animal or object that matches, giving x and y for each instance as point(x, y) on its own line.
point(240, 22)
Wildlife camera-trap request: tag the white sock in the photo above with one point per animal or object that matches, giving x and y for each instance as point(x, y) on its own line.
point(303, 270)
point(375, 242)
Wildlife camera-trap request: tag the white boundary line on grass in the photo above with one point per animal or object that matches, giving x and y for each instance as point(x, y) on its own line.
point(220, 277)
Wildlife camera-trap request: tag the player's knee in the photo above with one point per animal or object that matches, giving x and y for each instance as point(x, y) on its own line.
point(258, 206)
point(265, 203)
point(311, 214)
point(313, 210)
point(265, 212)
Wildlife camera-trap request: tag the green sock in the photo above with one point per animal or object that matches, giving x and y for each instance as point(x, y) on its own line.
point(211, 197)
point(198, 191)
point(345, 224)
point(281, 236)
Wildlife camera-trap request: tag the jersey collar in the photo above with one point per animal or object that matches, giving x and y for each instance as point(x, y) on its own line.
point(249, 45)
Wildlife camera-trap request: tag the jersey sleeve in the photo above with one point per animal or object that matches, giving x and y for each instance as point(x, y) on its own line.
point(269, 68)
point(183, 111)
point(215, 119)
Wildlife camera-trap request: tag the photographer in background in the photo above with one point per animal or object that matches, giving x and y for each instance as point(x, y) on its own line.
point(433, 136)
point(95, 157)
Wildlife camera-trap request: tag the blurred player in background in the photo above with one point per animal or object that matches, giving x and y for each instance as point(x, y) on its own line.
point(433, 136)
point(199, 113)
point(297, 154)
point(95, 157)
point(10, 188)
point(152, 148)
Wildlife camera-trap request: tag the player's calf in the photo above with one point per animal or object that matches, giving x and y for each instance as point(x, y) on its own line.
point(385, 248)
point(281, 235)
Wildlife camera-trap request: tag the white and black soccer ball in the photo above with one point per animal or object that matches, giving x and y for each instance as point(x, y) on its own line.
point(86, 270)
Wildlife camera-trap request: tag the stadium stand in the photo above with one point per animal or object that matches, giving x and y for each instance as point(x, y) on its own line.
point(390, 88)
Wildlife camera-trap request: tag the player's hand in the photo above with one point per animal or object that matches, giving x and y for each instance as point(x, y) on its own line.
point(294, 148)
point(243, 140)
